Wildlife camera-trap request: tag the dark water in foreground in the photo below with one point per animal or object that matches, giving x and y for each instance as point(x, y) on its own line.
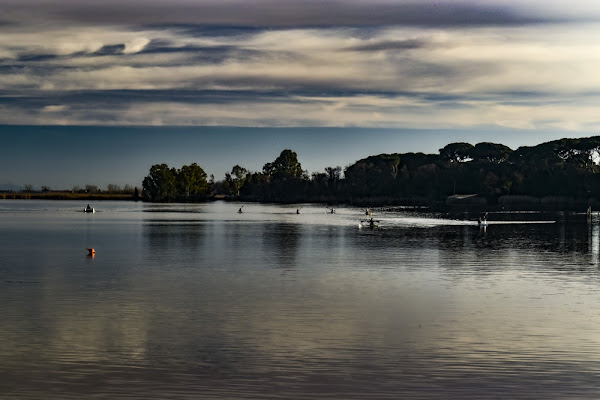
point(199, 302)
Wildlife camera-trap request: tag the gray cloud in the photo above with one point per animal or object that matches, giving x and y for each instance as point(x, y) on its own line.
point(32, 58)
point(277, 13)
point(110, 50)
point(377, 75)
point(408, 44)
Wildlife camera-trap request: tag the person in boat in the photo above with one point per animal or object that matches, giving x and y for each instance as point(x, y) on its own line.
point(88, 208)
point(482, 220)
point(370, 221)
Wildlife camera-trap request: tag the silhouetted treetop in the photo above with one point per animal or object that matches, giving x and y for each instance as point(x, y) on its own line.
point(286, 166)
point(164, 184)
point(160, 184)
point(235, 180)
point(490, 152)
point(456, 152)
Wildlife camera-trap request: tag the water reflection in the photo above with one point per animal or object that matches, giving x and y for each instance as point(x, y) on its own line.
point(282, 243)
point(594, 241)
point(185, 306)
point(166, 241)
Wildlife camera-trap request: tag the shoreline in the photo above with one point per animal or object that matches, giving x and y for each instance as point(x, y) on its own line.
point(546, 204)
point(66, 196)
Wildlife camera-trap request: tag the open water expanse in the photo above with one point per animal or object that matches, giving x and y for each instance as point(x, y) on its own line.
point(200, 302)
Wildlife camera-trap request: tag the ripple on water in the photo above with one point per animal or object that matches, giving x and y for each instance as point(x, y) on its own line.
point(199, 302)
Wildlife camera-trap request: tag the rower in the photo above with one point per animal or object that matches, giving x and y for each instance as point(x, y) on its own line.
point(482, 220)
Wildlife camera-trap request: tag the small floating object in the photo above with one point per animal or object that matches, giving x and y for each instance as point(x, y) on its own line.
point(91, 251)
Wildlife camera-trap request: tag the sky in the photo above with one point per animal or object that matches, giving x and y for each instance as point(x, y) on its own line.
point(97, 92)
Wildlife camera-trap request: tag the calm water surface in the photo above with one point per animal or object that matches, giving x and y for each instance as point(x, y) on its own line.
point(200, 302)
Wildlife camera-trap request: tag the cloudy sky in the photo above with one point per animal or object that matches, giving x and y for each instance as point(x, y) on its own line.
point(387, 76)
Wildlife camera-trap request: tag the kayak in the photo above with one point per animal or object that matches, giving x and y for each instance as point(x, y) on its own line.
point(367, 225)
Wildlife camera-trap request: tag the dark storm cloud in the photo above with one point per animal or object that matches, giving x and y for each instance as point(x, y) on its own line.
point(155, 48)
point(203, 30)
point(334, 63)
point(110, 50)
point(27, 58)
point(201, 54)
point(123, 98)
point(390, 45)
point(273, 13)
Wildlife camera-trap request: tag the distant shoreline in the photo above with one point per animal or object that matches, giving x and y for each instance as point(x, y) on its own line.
point(506, 203)
point(65, 196)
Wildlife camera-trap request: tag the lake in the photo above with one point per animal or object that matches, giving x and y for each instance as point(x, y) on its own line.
point(202, 302)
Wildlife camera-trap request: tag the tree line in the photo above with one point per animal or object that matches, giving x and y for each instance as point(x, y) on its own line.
point(187, 184)
point(87, 189)
point(565, 167)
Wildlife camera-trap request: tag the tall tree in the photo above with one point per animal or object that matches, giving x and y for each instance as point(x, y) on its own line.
point(284, 178)
point(192, 183)
point(91, 188)
point(286, 166)
point(235, 180)
point(333, 174)
point(112, 188)
point(456, 152)
point(160, 184)
point(374, 174)
point(490, 152)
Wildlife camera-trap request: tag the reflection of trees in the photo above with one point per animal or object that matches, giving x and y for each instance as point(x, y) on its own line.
point(510, 246)
point(282, 242)
point(166, 240)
